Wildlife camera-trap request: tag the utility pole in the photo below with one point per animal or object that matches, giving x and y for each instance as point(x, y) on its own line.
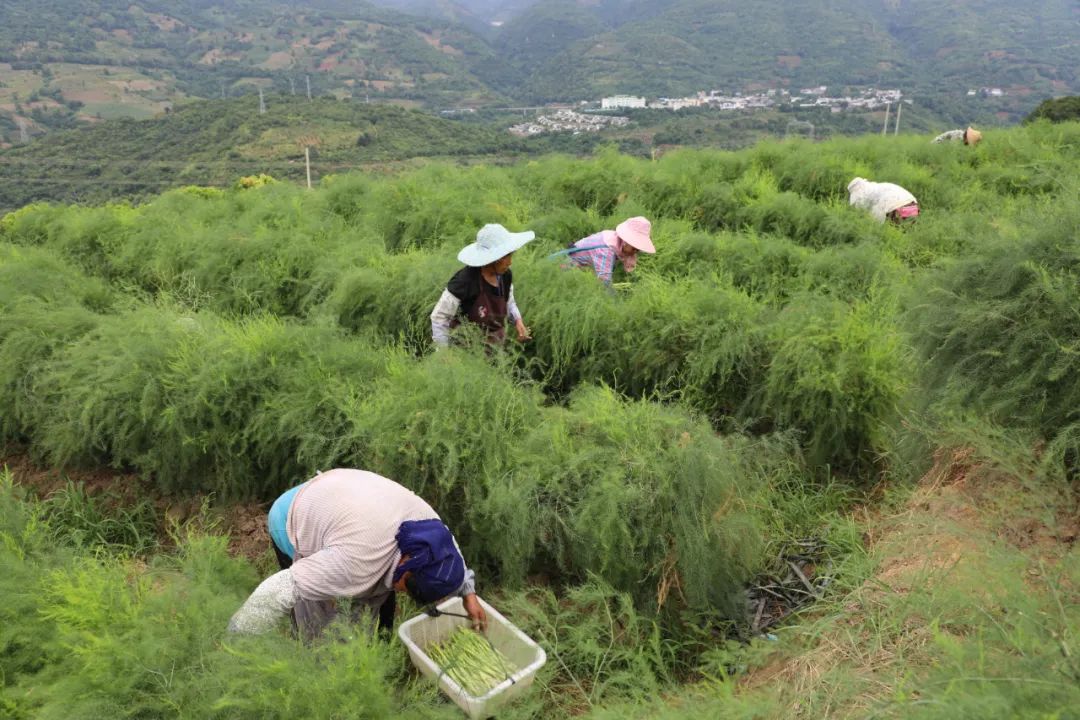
point(292, 87)
point(24, 137)
point(899, 107)
point(308, 141)
point(262, 103)
point(885, 126)
point(307, 79)
point(222, 89)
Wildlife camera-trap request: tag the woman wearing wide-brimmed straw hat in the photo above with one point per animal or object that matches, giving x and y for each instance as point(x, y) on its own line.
point(482, 292)
point(885, 201)
point(600, 250)
point(970, 136)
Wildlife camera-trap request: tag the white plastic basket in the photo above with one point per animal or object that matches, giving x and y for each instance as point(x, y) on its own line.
point(525, 656)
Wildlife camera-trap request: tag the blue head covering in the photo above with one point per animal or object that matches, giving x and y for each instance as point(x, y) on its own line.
point(437, 567)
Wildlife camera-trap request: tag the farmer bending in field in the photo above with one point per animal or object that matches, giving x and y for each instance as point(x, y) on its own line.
point(599, 251)
point(885, 201)
point(482, 292)
point(971, 136)
point(354, 534)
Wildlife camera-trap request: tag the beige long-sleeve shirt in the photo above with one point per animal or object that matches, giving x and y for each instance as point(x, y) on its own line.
point(343, 524)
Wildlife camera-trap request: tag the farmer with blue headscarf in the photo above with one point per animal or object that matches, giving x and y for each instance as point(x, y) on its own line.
point(354, 534)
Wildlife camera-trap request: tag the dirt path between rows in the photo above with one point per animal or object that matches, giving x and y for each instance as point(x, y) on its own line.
point(947, 526)
point(244, 523)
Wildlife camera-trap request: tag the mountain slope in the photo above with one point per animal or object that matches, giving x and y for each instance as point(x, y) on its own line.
point(214, 142)
point(65, 62)
point(1034, 44)
point(678, 46)
point(85, 59)
point(705, 44)
point(488, 13)
point(542, 31)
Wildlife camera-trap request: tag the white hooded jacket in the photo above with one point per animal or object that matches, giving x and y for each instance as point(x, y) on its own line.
point(879, 198)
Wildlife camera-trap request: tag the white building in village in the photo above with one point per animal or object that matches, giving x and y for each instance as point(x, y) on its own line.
point(568, 121)
point(622, 101)
point(676, 103)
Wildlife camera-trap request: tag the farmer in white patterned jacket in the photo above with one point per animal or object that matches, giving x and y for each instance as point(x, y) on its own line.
point(357, 535)
point(970, 136)
point(883, 200)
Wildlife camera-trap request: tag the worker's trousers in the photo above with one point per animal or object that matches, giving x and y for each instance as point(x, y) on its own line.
point(311, 617)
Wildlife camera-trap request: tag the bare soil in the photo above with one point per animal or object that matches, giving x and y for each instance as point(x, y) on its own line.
point(244, 523)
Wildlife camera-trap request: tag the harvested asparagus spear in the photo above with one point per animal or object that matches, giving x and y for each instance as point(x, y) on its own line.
point(471, 661)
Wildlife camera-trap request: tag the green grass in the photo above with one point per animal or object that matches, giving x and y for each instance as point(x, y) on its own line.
point(104, 521)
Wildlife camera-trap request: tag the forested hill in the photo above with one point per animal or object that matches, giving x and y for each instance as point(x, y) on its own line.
point(197, 46)
point(658, 47)
point(66, 61)
point(214, 142)
point(489, 13)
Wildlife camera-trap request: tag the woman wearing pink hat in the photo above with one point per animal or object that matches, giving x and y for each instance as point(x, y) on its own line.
point(600, 250)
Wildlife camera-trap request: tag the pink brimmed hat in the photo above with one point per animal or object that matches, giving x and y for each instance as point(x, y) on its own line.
point(635, 232)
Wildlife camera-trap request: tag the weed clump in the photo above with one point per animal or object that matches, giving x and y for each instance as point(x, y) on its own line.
point(998, 331)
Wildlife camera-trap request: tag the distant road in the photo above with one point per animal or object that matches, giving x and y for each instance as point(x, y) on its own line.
point(564, 106)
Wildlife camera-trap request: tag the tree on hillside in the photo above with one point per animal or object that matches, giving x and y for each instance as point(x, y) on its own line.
point(1056, 110)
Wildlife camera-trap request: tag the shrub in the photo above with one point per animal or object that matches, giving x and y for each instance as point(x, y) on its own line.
point(394, 295)
point(701, 339)
point(837, 375)
point(243, 408)
point(597, 185)
point(27, 642)
point(253, 181)
point(90, 636)
point(639, 495)
point(44, 305)
point(33, 273)
point(557, 229)
point(447, 428)
point(443, 205)
point(997, 329)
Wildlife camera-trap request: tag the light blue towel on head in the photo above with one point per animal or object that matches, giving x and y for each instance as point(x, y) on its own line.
point(278, 517)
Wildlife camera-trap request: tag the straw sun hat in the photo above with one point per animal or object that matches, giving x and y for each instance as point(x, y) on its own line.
point(493, 242)
point(972, 136)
